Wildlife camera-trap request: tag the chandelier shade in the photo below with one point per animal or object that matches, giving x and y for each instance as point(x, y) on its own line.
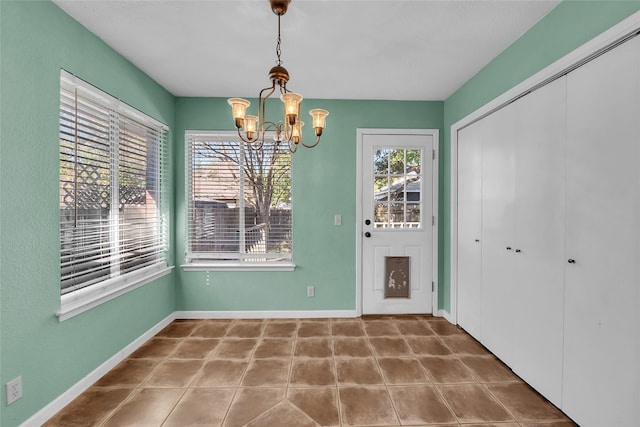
point(252, 128)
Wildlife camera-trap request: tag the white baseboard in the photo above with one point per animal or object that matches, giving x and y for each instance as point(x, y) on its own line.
point(78, 388)
point(302, 314)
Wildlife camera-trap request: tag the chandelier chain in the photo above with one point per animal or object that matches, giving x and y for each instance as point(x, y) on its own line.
point(278, 48)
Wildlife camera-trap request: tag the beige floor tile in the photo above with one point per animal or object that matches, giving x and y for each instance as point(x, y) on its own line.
point(195, 348)
point(420, 405)
point(549, 424)
point(174, 373)
point(472, 403)
point(361, 370)
point(274, 347)
point(402, 371)
point(464, 344)
point(366, 406)
point(489, 369)
point(90, 408)
point(179, 328)
point(388, 346)
point(320, 404)
point(524, 403)
point(245, 329)
point(313, 347)
point(312, 372)
point(221, 373)
point(267, 372)
point(354, 347)
point(130, 372)
point(310, 329)
point(211, 329)
point(249, 403)
point(347, 328)
point(412, 326)
point(201, 406)
point(442, 327)
point(379, 328)
point(283, 414)
point(492, 425)
point(432, 346)
point(236, 348)
point(156, 348)
point(146, 407)
point(444, 369)
point(286, 329)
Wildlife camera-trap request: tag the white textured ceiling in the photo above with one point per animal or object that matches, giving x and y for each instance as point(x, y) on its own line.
point(334, 49)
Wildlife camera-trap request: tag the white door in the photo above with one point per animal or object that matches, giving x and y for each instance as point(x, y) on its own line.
point(539, 235)
point(470, 228)
point(600, 377)
point(397, 223)
point(498, 245)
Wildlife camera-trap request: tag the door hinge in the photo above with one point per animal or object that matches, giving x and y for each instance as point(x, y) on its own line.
point(433, 154)
point(433, 286)
point(433, 220)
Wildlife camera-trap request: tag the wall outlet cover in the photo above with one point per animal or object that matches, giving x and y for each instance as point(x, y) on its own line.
point(14, 390)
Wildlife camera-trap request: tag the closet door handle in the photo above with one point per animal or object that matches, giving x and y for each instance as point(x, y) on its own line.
point(571, 261)
point(477, 240)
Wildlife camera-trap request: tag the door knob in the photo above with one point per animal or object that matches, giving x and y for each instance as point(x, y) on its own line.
point(477, 240)
point(367, 234)
point(518, 251)
point(367, 221)
point(571, 261)
point(508, 248)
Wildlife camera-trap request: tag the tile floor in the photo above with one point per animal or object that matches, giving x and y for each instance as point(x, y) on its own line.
point(382, 371)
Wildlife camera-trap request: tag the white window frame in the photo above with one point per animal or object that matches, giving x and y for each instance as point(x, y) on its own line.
point(212, 261)
point(85, 298)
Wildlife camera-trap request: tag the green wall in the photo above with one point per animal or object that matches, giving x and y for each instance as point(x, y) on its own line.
point(568, 26)
point(324, 184)
point(37, 39)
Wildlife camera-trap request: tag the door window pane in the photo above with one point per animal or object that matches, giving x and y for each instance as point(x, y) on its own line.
point(397, 188)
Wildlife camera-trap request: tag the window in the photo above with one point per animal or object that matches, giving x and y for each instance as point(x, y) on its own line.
point(397, 188)
point(112, 227)
point(239, 202)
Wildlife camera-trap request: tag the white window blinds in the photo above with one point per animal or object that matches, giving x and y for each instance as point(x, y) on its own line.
point(239, 200)
point(111, 188)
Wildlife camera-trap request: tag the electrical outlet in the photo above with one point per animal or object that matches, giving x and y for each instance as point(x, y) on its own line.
point(311, 291)
point(14, 390)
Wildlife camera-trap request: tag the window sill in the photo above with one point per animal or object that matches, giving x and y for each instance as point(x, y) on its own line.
point(87, 298)
point(236, 266)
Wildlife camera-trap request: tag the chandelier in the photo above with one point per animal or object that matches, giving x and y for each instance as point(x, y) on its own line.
point(290, 128)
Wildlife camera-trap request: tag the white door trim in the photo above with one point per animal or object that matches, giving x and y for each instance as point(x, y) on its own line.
point(623, 29)
point(361, 132)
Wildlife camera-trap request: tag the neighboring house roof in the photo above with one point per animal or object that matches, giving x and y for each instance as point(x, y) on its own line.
point(412, 186)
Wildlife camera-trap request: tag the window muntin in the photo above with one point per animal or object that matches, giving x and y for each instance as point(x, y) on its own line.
point(239, 200)
point(111, 195)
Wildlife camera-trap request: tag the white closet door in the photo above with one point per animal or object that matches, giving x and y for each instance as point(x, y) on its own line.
point(498, 260)
point(600, 378)
point(539, 238)
point(470, 228)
